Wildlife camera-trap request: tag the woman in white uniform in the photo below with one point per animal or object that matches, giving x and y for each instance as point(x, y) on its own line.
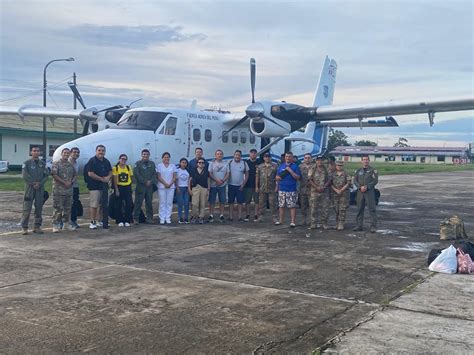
point(166, 174)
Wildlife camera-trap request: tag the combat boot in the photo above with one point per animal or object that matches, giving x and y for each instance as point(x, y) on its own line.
point(373, 229)
point(24, 231)
point(38, 230)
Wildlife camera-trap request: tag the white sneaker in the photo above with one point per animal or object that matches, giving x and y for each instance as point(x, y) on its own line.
point(162, 222)
point(121, 224)
point(56, 229)
point(92, 225)
point(100, 224)
point(168, 221)
point(127, 224)
point(71, 227)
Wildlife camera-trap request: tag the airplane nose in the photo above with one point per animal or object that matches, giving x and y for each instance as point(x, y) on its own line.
point(255, 110)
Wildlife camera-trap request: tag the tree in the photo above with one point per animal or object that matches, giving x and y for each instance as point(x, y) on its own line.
point(336, 138)
point(402, 143)
point(365, 143)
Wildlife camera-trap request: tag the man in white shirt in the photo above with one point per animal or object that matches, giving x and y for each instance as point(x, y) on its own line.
point(239, 174)
point(218, 174)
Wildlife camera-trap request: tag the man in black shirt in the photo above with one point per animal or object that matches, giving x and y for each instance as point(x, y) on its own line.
point(99, 173)
point(249, 188)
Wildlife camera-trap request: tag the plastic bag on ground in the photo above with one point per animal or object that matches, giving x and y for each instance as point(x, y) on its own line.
point(465, 265)
point(446, 262)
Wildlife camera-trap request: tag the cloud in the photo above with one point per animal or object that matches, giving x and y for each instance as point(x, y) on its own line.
point(137, 37)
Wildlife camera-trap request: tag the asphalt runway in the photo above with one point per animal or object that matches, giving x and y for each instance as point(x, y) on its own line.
point(212, 288)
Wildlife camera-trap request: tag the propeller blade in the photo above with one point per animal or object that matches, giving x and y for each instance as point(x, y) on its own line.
point(252, 77)
point(109, 108)
point(85, 129)
point(76, 94)
point(242, 120)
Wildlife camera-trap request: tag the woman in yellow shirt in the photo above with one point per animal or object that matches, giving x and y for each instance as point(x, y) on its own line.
point(122, 174)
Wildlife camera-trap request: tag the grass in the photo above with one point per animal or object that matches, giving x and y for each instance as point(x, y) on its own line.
point(13, 182)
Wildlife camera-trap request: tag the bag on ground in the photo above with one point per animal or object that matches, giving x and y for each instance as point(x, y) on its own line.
point(446, 262)
point(433, 255)
point(465, 265)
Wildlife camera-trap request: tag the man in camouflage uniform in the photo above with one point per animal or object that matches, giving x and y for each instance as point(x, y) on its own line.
point(318, 178)
point(265, 185)
point(64, 175)
point(145, 175)
point(35, 175)
point(365, 180)
point(339, 185)
point(305, 186)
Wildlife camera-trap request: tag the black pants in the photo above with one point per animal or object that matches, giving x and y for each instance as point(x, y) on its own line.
point(75, 204)
point(125, 201)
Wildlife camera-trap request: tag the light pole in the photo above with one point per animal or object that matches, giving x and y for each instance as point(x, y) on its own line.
point(44, 99)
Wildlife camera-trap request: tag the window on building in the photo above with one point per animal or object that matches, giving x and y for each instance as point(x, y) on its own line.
point(235, 137)
point(243, 137)
point(207, 135)
point(408, 157)
point(391, 158)
point(251, 138)
point(169, 128)
point(197, 134)
point(52, 148)
point(441, 158)
point(378, 156)
point(225, 137)
point(423, 160)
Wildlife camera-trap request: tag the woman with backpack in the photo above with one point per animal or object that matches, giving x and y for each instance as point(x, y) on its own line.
point(122, 182)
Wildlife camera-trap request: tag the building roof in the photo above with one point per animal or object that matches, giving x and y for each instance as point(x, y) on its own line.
point(355, 150)
point(60, 125)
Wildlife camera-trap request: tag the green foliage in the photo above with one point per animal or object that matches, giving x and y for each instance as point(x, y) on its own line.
point(365, 143)
point(402, 143)
point(336, 138)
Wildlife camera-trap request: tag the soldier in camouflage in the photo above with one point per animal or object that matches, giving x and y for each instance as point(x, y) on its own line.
point(35, 175)
point(145, 175)
point(305, 187)
point(265, 185)
point(318, 178)
point(64, 175)
point(365, 180)
point(339, 185)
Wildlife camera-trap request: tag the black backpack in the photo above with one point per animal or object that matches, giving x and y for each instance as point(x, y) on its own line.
point(85, 173)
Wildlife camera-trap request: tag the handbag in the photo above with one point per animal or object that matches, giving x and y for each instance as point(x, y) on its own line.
point(465, 265)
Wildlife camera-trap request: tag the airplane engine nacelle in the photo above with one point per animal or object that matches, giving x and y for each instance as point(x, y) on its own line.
point(264, 128)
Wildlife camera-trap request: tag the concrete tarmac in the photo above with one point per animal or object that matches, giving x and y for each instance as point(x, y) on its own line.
point(242, 287)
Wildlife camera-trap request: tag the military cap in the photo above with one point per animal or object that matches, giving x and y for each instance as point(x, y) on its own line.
point(319, 157)
point(339, 162)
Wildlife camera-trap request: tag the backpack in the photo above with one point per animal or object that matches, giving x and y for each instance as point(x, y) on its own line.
point(85, 173)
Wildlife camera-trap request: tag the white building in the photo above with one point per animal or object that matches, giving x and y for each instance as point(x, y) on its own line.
point(426, 155)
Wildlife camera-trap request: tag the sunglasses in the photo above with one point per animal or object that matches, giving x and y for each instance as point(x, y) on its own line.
point(123, 159)
point(200, 162)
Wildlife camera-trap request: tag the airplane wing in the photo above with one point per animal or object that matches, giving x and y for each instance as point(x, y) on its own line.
point(39, 111)
point(390, 108)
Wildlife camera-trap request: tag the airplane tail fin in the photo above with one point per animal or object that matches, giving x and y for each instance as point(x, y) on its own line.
point(323, 96)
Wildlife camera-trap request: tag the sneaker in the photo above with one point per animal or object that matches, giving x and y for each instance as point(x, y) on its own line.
point(255, 218)
point(221, 218)
point(357, 229)
point(292, 225)
point(24, 231)
point(373, 229)
point(71, 227)
point(186, 221)
point(121, 224)
point(38, 230)
point(242, 220)
point(100, 224)
point(93, 225)
point(168, 221)
point(277, 223)
point(201, 220)
point(74, 223)
point(181, 220)
point(127, 224)
point(246, 219)
point(162, 222)
point(211, 218)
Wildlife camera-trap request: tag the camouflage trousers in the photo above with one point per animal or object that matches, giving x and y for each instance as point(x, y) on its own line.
point(32, 196)
point(61, 208)
point(318, 203)
point(304, 202)
point(262, 201)
point(340, 205)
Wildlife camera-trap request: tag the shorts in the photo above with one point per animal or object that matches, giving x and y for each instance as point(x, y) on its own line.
point(95, 197)
point(217, 191)
point(249, 193)
point(287, 199)
point(235, 193)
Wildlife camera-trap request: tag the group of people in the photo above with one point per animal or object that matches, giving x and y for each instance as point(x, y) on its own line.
point(317, 187)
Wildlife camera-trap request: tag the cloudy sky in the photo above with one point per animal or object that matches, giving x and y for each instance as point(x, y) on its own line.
point(169, 53)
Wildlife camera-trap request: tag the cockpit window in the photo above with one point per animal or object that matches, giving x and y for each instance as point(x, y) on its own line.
point(170, 127)
point(142, 120)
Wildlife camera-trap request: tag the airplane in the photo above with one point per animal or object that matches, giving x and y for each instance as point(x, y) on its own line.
point(275, 126)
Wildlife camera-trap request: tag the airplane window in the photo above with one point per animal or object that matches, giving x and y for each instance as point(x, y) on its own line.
point(197, 134)
point(207, 135)
point(235, 137)
point(225, 137)
point(243, 137)
point(141, 120)
point(113, 116)
point(169, 128)
point(251, 138)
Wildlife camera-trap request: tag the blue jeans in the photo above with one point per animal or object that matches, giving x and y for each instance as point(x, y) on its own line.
point(182, 197)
